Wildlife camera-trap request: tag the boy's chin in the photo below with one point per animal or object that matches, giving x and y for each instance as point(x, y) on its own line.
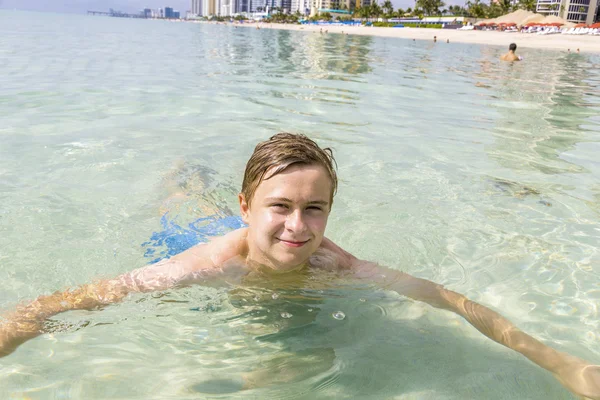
point(284, 264)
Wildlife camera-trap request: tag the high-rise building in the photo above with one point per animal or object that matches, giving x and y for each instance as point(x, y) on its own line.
point(209, 8)
point(168, 12)
point(286, 6)
point(242, 6)
point(147, 13)
point(301, 6)
point(316, 5)
point(265, 5)
point(197, 7)
point(582, 11)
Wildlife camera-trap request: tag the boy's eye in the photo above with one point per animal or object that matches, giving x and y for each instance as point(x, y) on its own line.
point(279, 206)
point(315, 208)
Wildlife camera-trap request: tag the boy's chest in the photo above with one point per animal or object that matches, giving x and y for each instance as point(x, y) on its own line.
point(324, 259)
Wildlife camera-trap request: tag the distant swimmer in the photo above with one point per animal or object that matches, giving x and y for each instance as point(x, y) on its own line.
point(511, 56)
point(434, 39)
point(447, 40)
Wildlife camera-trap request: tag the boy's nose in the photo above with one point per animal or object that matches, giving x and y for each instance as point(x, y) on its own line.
point(295, 221)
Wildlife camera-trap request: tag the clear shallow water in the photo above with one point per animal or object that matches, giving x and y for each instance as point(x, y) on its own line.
point(454, 167)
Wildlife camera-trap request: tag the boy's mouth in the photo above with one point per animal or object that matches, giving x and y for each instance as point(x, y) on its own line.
point(293, 243)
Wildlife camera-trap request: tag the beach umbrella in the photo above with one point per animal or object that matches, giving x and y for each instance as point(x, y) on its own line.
point(555, 24)
point(580, 26)
point(511, 24)
point(595, 26)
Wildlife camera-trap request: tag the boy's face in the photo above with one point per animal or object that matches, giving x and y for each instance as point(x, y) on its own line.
point(288, 216)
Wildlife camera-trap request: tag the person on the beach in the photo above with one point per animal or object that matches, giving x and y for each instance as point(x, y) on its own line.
point(434, 39)
point(511, 56)
point(286, 197)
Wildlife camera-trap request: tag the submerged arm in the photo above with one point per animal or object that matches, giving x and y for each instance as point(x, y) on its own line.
point(27, 321)
point(576, 374)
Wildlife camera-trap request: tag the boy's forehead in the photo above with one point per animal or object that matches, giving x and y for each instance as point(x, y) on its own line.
point(303, 171)
point(291, 176)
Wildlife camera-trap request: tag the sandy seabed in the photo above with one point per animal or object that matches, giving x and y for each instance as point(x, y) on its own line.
point(586, 43)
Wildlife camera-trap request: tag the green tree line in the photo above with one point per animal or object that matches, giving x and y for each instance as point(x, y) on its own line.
point(431, 8)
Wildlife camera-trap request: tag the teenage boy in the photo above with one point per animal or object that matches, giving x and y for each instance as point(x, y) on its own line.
point(286, 197)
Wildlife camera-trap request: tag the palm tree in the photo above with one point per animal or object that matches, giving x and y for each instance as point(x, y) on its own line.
point(505, 5)
point(528, 5)
point(476, 9)
point(375, 9)
point(388, 8)
point(366, 12)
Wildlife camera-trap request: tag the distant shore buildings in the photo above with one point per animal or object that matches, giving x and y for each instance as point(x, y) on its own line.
point(168, 13)
point(577, 11)
point(206, 8)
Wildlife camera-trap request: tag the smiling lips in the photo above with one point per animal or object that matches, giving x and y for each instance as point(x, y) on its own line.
point(292, 243)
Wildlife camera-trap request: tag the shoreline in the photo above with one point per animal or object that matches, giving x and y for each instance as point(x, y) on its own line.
point(586, 43)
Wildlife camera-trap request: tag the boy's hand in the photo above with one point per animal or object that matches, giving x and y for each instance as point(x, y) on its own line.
point(13, 334)
point(579, 377)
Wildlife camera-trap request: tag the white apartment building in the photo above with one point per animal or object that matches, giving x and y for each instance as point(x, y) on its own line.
point(302, 6)
point(197, 7)
point(222, 8)
point(578, 11)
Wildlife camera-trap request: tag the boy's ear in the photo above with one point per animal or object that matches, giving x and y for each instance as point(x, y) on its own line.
point(244, 208)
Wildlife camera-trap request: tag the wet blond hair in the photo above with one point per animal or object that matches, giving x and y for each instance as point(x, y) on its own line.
point(280, 152)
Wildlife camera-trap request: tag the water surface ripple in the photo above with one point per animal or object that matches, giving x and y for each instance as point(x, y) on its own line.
point(454, 167)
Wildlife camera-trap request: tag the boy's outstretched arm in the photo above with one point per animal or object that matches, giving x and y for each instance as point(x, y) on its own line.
point(205, 260)
point(579, 376)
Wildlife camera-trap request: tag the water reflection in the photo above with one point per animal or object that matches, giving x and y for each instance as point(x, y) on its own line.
point(543, 110)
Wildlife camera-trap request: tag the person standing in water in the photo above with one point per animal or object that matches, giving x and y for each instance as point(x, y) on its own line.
point(286, 197)
point(511, 56)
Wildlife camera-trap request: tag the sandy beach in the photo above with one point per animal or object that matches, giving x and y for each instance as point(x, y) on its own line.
point(586, 43)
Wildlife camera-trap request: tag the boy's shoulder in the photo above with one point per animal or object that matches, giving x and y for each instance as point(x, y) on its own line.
point(331, 255)
point(230, 245)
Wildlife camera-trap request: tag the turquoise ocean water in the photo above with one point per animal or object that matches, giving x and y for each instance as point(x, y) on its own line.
point(119, 138)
